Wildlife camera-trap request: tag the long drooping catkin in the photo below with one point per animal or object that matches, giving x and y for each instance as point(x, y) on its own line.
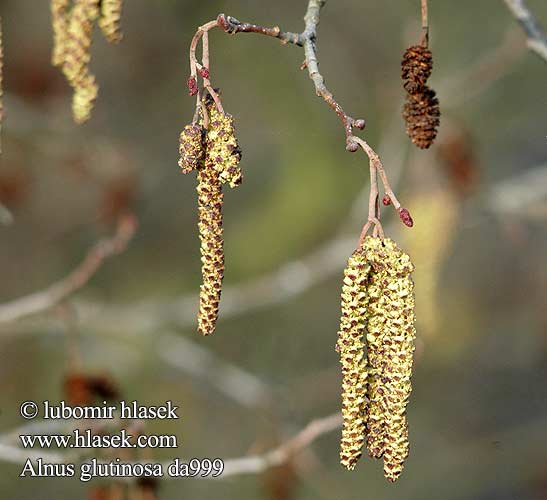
point(109, 22)
point(390, 344)
point(215, 154)
point(210, 200)
point(59, 21)
point(77, 57)
point(377, 299)
point(350, 345)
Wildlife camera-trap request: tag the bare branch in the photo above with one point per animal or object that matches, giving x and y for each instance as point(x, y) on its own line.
point(537, 39)
point(54, 294)
point(277, 456)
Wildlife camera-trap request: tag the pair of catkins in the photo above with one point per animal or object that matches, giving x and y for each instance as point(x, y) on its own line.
point(73, 23)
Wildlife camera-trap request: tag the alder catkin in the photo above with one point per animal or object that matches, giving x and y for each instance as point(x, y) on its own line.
point(390, 345)
point(59, 21)
point(351, 346)
point(223, 153)
point(109, 22)
point(191, 147)
point(77, 58)
point(210, 200)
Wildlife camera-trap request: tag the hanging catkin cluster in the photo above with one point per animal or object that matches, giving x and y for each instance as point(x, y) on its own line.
point(215, 154)
point(73, 23)
point(421, 110)
point(377, 304)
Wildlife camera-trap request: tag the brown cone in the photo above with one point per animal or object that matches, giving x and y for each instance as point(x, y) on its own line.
point(422, 116)
point(416, 67)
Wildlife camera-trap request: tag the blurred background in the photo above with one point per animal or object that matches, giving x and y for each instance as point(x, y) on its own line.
point(478, 413)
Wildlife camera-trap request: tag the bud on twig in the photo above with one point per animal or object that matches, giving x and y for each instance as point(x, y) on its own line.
point(405, 216)
point(192, 86)
point(386, 200)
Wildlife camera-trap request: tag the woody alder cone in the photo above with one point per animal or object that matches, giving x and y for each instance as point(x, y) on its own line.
point(422, 116)
point(416, 67)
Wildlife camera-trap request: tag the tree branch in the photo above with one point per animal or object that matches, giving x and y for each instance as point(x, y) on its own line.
point(537, 39)
point(54, 294)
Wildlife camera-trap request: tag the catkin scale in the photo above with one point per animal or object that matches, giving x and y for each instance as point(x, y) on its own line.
point(109, 22)
point(350, 345)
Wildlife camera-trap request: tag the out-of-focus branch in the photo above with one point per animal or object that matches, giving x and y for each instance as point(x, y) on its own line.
point(54, 294)
point(237, 384)
point(537, 39)
point(259, 463)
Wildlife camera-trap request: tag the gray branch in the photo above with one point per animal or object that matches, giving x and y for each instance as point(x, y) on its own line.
point(537, 39)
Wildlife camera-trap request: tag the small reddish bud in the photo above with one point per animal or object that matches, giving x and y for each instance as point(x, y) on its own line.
point(192, 86)
point(352, 146)
point(404, 214)
point(223, 23)
point(360, 124)
point(204, 72)
point(386, 200)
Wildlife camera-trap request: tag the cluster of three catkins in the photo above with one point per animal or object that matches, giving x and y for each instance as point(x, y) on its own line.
point(214, 153)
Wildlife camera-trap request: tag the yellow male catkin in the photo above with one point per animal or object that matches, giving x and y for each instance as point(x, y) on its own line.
point(109, 22)
point(59, 21)
point(210, 201)
point(223, 153)
point(350, 345)
point(191, 147)
point(77, 58)
point(390, 344)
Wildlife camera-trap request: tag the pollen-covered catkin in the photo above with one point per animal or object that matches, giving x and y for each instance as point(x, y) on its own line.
point(109, 22)
point(351, 347)
point(59, 21)
point(210, 200)
point(223, 153)
point(191, 147)
point(77, 58)
point(390, 338)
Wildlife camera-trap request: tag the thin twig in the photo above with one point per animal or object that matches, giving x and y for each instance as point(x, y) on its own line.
point(537, 39)
point(54, 294)
point(425, 24)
